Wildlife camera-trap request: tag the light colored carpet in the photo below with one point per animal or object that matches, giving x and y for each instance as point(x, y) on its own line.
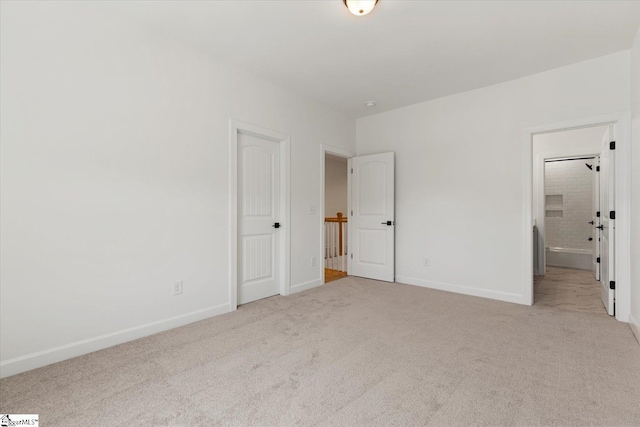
point(568, 289)
point(354, 352)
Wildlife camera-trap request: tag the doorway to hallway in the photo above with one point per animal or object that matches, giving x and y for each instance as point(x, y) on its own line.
point(366, 247)
point(336, 219)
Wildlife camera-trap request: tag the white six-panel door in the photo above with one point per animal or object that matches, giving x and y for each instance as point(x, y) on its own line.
point(607, 204)
point(372, 221)
point(258, 213)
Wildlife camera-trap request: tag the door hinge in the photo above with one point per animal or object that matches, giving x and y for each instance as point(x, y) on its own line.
point(351, 256)
point(598, 260)
point(612, 145)
point(598, 214)
point(597, 168)
point(351, 213)
point(612, 215)
point(612, 284)
point(352, 171)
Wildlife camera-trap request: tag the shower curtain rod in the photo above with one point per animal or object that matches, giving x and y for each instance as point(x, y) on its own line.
point(571, 158)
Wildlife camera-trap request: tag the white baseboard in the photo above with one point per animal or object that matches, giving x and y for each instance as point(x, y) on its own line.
point(306, 285)
point(635, 327)
point(57, 354)
point(466, 290)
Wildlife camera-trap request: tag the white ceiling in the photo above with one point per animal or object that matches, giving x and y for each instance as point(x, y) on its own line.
point(402, 53)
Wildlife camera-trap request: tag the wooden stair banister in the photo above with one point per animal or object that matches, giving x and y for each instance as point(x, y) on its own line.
point(339, 218)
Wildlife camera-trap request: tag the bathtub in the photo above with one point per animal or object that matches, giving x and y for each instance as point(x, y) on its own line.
point(581, 259)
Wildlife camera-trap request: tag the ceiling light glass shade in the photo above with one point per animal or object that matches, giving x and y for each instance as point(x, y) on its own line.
point(360, 7)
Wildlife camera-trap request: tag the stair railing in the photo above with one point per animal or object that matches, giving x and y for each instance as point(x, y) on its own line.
point(336, 245)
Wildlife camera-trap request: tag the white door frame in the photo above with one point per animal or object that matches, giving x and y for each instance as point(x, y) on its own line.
point(327, 149)
point(284, 142)
point(539, 196)
point(622, 122)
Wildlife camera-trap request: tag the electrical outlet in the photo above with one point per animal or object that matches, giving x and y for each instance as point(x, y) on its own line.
point(313, 261)
point(425, 262)
point(177, 288)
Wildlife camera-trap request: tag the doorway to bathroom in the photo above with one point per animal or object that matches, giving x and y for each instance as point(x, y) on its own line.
point(574, 234)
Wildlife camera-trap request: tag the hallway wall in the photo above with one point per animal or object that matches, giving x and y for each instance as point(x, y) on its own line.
point(335, 186)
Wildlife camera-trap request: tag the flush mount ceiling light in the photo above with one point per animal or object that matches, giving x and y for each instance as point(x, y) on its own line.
point(370, 104)
point(360, 7)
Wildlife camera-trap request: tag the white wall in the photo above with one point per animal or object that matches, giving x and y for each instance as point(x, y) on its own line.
point(459, 171)
point(572, 182)
point(569, 142)
point(335, 184)
point(115, 179)
point(634, 317)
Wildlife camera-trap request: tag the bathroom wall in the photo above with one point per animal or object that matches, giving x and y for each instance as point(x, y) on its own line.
point(568, 204)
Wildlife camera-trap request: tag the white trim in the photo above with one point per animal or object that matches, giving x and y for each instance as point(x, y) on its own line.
point(635, 327)
point(57, 354)
point(307, 285)
point(622, 124)
point(349, 210)
point(284, 140)
point(539, 196)
point(324, 149)
point(285, 209)
point(461, 289)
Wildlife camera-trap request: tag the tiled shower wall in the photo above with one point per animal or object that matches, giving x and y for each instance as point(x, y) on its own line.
point(569, 191)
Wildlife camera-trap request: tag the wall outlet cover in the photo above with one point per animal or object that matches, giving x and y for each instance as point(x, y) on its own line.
point(177, 288)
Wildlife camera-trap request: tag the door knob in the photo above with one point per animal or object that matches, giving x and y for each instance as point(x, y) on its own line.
point(590, 238)
point(591, 222)
point(387, 223)
point(600, 227)
point(276, 225)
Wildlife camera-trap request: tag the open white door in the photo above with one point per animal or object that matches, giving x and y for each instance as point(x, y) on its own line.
point(373, 216)
point(607, 221)
point(595, 219)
